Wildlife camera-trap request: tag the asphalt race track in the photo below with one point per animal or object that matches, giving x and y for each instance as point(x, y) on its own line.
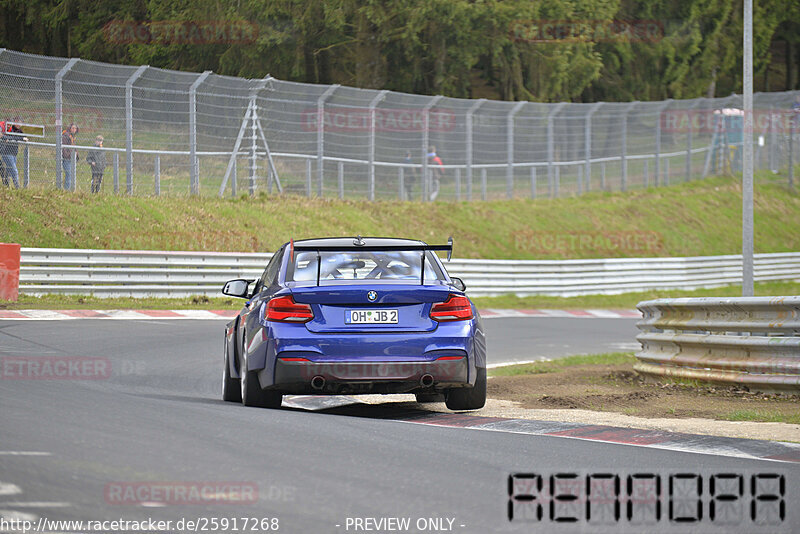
point(145, 420)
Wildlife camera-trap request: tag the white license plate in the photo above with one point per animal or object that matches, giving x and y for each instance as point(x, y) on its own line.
point(370, 316)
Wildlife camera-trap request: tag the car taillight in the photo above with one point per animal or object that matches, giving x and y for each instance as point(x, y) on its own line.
point(286, 310)
point(455, 308)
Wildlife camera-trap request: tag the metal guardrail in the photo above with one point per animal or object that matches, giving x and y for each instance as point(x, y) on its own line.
point(751, 341)
point(110, 273)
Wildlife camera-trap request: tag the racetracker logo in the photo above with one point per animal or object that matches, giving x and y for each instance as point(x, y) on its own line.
point(355, 120)
point(166, 32)
point(54, 368)
point(610, 243)
point(587, 31)
point(211, 492)
point(729, 120)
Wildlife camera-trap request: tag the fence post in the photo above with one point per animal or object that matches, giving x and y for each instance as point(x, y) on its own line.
point(510, 148)
point(665, 179)
point(603, 176)
point(533, 182)
point(470, 112)
point(194, 171)
point(158, 175)
point(116, 172)
point(773, 142)
point(587, 145)
point(254, 150)
point(234, 177)
point(74, 161)
point(321, 135)
point(580, 177)
point(483, 183)
point(340, 174)
point(129, 126)
point(551, 149)
point(791, 149)
point(624, 150)
point(689, 139)
point(646, 174)
point(60, 114)
point(426, 133)
point(26, 170)
point(371, 169)
point(308, 178)
point(661, 108)
point(401, 183)
point(557, 181)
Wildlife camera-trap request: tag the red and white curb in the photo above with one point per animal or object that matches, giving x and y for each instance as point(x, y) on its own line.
point(61, 315)
point(492, 313)
point(658, 439)
point(127, 315)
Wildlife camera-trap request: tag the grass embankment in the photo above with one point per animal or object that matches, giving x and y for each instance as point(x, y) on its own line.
point(607, 383)
point(692, 219)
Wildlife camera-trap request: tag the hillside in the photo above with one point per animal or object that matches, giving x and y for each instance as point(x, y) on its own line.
point(698, 218)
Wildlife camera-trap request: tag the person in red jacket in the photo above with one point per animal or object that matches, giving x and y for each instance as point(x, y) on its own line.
point(436, 169)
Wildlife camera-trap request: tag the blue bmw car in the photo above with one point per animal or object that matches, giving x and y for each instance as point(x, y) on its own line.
point(350, 316)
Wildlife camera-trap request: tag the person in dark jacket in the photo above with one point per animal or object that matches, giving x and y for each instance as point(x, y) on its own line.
point(97, 162)
point(11, 135)
point(68, 138)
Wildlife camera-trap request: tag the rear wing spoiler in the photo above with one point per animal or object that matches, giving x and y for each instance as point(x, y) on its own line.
point(372, 248)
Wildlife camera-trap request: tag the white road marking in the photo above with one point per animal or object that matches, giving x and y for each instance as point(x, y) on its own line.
point(521, 362)
point(150, 504)
point(24, 453)
point(19, 516)
point(38, 504)
point(7, 488)
point(626, 346)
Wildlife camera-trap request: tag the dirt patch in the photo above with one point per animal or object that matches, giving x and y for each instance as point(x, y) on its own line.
point(619, 389)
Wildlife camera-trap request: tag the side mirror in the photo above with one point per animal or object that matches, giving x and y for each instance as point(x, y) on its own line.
point(237, 288)
point(458, 283)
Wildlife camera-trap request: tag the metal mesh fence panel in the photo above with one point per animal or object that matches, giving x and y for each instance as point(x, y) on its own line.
point(181, 133)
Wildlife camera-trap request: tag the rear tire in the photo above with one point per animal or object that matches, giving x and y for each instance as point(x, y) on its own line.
point(473, 398)
point(231, 391)
point(253, 395)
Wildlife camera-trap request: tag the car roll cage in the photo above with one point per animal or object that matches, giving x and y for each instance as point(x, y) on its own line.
point(359, 245)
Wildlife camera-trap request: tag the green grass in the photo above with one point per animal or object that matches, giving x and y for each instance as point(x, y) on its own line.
point(763, 416)
point(629, 300)
point(75, 302)
point(690, 219)
point(611, 358)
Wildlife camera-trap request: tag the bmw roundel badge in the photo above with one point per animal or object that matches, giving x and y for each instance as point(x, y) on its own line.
point(372, 295)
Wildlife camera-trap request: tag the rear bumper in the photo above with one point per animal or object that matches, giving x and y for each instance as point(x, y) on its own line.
point(370, 376)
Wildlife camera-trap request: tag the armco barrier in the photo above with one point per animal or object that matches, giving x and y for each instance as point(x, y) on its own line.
point(752, 341)
point(9, 271)
point(110, 273)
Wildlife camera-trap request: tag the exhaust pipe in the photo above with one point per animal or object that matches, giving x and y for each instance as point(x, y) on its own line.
point(318, 382)
point(426, 381)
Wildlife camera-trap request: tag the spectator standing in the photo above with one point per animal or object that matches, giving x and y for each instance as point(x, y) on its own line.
point(68, 138)
point(9, 148)
point(97, 162)
point(3, 142)
point(436, 169)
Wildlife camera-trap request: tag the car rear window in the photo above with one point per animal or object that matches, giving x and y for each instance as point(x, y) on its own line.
point(355, 265)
